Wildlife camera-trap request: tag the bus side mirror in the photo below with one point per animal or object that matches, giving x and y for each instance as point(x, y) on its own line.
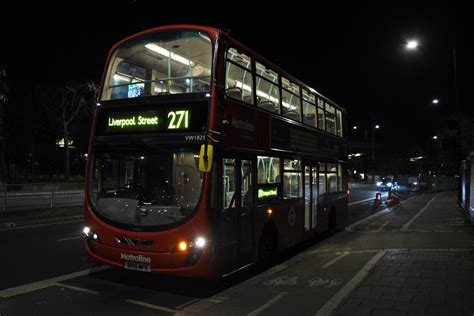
point(205, 158)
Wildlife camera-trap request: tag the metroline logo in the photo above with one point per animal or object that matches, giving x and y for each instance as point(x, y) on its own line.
point(130, 257)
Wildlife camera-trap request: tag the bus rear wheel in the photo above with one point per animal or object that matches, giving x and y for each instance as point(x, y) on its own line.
point(267, 246)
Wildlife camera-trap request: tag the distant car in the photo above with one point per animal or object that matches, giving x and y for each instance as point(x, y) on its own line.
point(387, 184)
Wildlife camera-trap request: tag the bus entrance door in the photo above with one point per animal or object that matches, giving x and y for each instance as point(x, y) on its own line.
point(236, 215)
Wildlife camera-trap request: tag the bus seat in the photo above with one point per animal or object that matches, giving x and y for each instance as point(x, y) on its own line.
point(292, 115)
point(234, 92)
point(309, 119)
point(248, 99)
point(268, 105)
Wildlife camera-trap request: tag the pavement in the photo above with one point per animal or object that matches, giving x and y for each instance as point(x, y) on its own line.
point(416, 282)
point(431, 272)
point(27, 218)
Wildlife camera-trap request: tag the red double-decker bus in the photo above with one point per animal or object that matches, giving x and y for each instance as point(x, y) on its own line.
point(205, 157)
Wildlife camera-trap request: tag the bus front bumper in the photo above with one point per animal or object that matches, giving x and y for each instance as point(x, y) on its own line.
point(199, 264)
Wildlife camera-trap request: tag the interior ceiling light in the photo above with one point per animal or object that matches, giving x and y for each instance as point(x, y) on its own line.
point(163, 51)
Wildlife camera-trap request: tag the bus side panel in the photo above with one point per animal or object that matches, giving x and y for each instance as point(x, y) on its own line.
point(342, 210)
point(288, 218)
point(336, 202)
point(323, 214)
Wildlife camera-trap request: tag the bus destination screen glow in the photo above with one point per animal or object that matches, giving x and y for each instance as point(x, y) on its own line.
point(148, 121)
point(267, 193)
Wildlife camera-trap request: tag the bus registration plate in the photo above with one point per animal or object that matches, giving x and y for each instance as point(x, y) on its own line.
point(137, 266)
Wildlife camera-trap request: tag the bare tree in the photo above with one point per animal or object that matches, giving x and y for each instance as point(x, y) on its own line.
point(73, 100)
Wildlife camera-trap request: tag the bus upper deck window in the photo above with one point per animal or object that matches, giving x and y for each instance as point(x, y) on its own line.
point(164, 62)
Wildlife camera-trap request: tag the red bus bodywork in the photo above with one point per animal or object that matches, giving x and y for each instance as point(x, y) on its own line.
point(163, 255)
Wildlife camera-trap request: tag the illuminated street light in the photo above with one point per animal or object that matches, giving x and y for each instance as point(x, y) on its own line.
point(412, 44)
point(374, 127)
point(354, 127)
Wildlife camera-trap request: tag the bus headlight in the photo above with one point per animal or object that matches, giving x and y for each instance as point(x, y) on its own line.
point(200, 242)
point(90, 233)
point(196, 243)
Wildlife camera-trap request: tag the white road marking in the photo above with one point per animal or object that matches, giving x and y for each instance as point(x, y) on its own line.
point(26, 288)
point(353, 225)
point(200, 306)
point(329, 307)
point(326, 250)
point(279, 267)
point(324, 282)
point(381, 227)
point(70, 238)
point(152, 306)
point(214, 300)
point(283, 280)
point(335, 260)
point(76, 288)
point(361, 201)
point(267, 304)
point(405, 227)
point(383, 211)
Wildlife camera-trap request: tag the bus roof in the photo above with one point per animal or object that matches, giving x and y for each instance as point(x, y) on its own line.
point(214, 33)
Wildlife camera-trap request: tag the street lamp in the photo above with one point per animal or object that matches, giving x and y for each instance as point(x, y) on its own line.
point(374, 127)
point(412, 45)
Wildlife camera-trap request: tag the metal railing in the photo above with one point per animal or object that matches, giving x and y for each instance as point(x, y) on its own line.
point(37, 196)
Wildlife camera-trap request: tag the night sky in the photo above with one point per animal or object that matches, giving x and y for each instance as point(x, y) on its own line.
point(352, 54)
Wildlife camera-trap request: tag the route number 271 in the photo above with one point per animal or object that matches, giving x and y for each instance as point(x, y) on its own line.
point(178, 119)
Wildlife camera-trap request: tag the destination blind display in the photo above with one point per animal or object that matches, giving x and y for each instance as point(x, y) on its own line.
point(115, 120)
point(150, 120)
